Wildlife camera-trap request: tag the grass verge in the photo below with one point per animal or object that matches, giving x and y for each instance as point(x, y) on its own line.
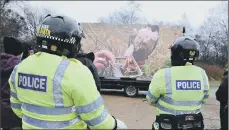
point(214, 83)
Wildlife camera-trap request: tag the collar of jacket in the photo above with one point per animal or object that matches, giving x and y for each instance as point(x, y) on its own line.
point(188, 64)
point(39, 53)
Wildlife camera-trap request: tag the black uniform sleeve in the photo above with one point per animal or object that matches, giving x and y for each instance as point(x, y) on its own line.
point(222, 92)
point(87, 62)
point(94, 72)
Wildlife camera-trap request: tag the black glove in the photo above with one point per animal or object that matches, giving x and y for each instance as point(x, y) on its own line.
point(91, 56)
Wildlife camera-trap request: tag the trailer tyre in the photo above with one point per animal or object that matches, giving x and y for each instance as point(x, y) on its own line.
point(131, 91)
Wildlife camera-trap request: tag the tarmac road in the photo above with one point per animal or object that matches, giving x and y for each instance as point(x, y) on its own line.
point(140, 115)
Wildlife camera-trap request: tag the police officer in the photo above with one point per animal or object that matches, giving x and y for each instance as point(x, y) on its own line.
point(181, 89)
point(222, 97)
point(53, 90)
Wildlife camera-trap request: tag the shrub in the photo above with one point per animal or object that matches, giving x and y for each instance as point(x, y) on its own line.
point(214, 72)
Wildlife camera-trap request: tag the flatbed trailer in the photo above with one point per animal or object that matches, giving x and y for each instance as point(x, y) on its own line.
point(131, 86)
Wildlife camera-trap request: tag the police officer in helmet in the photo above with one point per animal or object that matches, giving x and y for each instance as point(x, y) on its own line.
point(53, 90)
point(179, 92)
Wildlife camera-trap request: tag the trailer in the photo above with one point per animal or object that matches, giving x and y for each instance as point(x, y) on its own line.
point(131, 86)
point(126, 56)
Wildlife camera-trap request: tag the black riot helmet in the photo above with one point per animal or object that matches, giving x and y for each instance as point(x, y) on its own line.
point(59, 35)
point(184, 49)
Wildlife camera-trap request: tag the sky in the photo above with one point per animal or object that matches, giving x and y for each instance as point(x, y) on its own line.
point(91, 11)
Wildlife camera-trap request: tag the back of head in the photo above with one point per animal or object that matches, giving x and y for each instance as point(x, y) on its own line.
point(59, 35)
point(184, 49)
point(13, 46)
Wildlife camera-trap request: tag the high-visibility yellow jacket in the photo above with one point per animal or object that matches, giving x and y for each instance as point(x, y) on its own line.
point(50, 92)
point(179, 90)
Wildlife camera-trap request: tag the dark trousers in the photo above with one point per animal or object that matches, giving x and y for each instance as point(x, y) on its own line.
point(16, 128)
point(223, 116)
point(9, 120)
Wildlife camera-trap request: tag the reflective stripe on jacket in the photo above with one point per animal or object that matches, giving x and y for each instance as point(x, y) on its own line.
point(51, 92)
point(179, 90)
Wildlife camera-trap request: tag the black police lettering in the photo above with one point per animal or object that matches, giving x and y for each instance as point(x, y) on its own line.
point(32, 82)
point(188, 85)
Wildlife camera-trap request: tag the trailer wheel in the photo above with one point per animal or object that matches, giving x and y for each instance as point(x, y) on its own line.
point(131, 91)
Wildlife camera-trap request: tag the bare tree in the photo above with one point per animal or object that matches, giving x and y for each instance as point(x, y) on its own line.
point(184, 22)
point(34, 17)
point(214, 36)
point(127, 15)
point(11, 22)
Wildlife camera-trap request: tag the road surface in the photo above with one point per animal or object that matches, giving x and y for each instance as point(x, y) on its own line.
point(140, 115)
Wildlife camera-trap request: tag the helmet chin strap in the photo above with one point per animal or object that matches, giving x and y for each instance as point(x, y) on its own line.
point(65, 52)
point(78, 47)
point(75, 50)
point(20, 56)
